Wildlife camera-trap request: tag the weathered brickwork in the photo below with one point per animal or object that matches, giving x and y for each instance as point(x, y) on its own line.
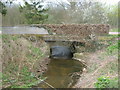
point(76, 29)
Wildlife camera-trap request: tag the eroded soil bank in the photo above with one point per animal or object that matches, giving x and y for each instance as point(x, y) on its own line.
point(24, 59)
point(102, 62)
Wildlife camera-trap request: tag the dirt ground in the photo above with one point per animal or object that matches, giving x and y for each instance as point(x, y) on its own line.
point(98, 64)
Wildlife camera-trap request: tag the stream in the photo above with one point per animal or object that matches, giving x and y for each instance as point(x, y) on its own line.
point(62, 73)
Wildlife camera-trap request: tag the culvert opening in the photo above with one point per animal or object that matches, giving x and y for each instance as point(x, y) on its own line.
point(61, 52)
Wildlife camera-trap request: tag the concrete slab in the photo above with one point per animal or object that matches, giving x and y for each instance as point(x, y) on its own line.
point(23, 30)
point(114, 33)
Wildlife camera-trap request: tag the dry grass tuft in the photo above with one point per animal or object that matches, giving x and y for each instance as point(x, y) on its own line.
point(21, 58)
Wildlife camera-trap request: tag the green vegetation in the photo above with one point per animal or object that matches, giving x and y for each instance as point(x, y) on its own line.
point(21, 57)
point(111, 67)
point(59, 13)
point(33, 13)
point(103, 65)
point(114, 30)
point(112, 48)
point(105, 82)
point(3, 9)
point(27, 77)
point(20, 60)
point(112, 45)
point(113, 15)
point(0, 78)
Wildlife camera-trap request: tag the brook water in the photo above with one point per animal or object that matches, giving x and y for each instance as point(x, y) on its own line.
point(62, 73)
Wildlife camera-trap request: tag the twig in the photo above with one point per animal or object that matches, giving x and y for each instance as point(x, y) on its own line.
point(49, 84)
point(45, 82)
point(82, 61)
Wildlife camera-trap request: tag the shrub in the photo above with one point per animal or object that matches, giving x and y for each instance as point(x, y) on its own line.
point(105, 82)
point(112, 48)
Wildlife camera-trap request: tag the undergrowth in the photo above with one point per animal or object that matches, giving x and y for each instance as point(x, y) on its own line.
point(19, 59)
point(114, 30)
point(110, 67)
point(106, 82)
point(112, 48)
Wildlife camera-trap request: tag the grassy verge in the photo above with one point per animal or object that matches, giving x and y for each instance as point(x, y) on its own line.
point(21, 60)
point(114, 30)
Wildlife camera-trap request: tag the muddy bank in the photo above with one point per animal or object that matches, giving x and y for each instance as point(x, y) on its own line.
point(41, 66)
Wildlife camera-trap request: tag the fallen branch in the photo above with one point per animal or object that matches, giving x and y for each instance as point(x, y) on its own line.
point(45, 82)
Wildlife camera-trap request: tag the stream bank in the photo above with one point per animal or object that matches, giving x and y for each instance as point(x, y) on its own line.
point(102, 62)
point(26, 62)
point(24, 57)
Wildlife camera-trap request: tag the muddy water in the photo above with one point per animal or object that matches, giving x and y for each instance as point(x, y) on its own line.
point(61, 73)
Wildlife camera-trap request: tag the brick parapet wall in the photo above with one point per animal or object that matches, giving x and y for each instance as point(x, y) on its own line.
point(81, 30)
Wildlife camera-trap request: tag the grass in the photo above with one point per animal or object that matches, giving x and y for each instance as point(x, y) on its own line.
point(20, 59)
point(35, 50)
point(106, 82)
point(35, 53)
point(27, 77)
point(112, 48)
point(114, 30)
point(103, 62)
point(0, 79)
point(111, 68)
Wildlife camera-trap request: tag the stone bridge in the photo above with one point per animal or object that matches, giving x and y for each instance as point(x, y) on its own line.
point(73, 34)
